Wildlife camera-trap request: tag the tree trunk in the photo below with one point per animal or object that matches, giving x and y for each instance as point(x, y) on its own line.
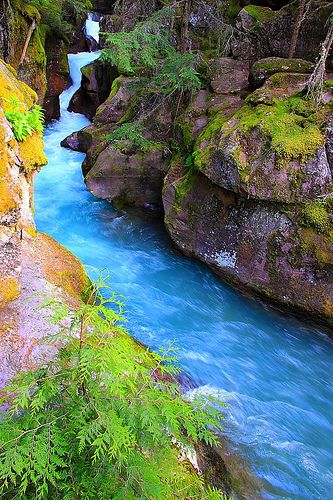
point(296, 30)
point(316, 80)
point(184, 38)
point(27, 40)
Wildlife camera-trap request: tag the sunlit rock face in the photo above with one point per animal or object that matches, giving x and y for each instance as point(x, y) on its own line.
point(33, 266)
point(250, 206)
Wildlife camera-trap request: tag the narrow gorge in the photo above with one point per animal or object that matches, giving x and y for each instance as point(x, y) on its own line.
point(143, 176)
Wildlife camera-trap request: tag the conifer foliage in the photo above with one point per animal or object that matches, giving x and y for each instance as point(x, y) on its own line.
point(102, 419)
point(147, 48)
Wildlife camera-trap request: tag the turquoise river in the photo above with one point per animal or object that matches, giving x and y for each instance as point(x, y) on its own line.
point(274, 371)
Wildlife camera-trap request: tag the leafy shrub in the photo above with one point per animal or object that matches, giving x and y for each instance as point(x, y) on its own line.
point(102, 419)
point(129, 136)
point(24, 122)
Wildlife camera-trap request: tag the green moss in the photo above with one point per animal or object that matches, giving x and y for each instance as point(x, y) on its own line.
point(36, 50)
point(11, 87)
point(182, 189)
point(32, 152)
point(233, 10)
point(28, 10)
point(293, 136)
point(8, 197)
point(316, 215)
point(205, 143)
point(88, 70)
point(260, 14)
point(130, 113)
point(60, 266)
point(115, 86)
point(318, 245)
point(9, 290)
point(273, 65)
point(185, 126)
point(328, 84)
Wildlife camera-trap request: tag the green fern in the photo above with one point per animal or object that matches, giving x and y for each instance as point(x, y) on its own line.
point(102, 419)
point(24, 122)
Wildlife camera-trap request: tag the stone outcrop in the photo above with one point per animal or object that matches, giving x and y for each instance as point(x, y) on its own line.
point(264, 68)
point(33, 266)
point(262, 32)
point(249, 186)
point(271, 149)
point(127, 175)
point(255, 204)
point(97, 78)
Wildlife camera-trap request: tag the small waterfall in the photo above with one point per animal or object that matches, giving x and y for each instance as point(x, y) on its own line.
point(92, 27)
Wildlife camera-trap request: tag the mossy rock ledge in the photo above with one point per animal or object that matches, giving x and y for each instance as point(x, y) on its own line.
point(32, 265)
point(275, 147)
point(255, 202)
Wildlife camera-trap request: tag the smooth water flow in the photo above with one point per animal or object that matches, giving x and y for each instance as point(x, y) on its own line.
point(276, 372)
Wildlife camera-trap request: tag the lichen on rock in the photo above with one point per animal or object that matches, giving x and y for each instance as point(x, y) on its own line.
point(32, 266)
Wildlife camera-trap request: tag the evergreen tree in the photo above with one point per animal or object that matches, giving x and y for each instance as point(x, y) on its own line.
point(147, 50)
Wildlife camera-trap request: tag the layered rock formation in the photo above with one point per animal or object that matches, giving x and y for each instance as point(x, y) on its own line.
point(33, 267)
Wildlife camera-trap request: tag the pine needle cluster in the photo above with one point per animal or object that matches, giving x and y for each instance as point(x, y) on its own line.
point(129, 136)
point(104, 420)
point(147, 50)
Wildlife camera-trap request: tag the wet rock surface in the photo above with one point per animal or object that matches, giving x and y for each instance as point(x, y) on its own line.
point(97, 78)
point(253, 245)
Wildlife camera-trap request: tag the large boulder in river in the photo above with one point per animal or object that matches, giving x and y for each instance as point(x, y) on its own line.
point(97, 78)
point(128, 178)
point(283, 253)
point(125, 172)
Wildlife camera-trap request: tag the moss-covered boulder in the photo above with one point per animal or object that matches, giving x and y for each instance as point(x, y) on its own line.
point(273, 148)
point(264, 68)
